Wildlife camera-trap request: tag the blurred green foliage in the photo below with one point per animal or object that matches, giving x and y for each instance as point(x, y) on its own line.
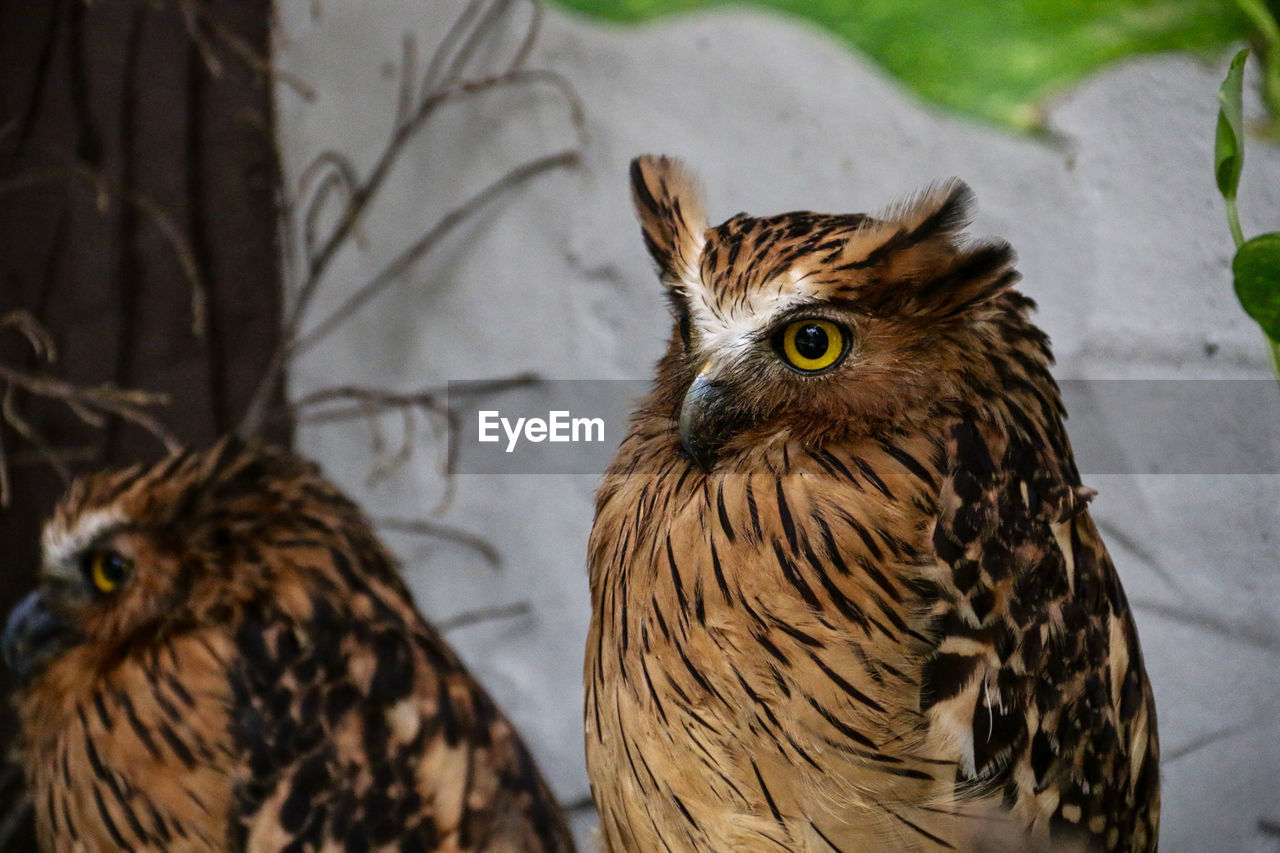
point(1256, 267)
point(998, 60)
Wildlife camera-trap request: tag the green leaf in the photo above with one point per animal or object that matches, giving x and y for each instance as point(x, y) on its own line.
point(1257, 273)
point(1228, 148)
point(998, 60)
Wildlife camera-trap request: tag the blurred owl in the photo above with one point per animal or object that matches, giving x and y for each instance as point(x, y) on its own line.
point(846, 592)
point(222, 656)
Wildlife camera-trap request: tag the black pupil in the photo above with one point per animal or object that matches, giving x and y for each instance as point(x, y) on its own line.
point(112, 565)
point(811, 341)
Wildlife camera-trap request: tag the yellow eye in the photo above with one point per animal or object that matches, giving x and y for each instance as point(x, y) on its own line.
point(107, 570)
point(813, 345)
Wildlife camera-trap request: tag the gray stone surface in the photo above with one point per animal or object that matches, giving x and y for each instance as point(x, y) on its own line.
point(1121, 238)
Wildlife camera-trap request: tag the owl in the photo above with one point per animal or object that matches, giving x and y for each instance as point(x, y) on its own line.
point(846, 591)
point(222, 656)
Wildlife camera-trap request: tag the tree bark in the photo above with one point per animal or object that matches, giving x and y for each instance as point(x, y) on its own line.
point(138, 225)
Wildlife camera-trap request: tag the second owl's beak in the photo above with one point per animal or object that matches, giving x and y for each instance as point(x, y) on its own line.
point(698, 432)
point(33, 636)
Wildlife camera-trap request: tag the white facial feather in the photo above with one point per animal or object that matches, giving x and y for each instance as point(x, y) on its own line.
point(61, 543)
point(728, 333)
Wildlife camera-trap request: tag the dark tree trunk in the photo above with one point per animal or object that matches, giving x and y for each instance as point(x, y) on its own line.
point(137, 158)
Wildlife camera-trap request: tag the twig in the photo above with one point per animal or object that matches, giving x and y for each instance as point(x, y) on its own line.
point(168, 228)
point(448, 533)
point(1207, 621)
point(408, 77)
point(105, 189)
point(196, 22)
point(35, 333)
point(366, 192)
point(487, 614)
point(22, 428)
point(487, 24)
point(90, 402)
point(364, 400)
point(1197, 744)
point(349, 402)
point(360, 194)
point(426, 243)
point(432, 78)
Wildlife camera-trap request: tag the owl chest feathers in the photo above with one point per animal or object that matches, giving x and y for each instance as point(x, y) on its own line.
point(137, 763)
point(757, 648)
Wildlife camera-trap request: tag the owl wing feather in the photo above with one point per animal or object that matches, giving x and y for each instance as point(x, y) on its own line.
point(1037, 669)
point(361, 728)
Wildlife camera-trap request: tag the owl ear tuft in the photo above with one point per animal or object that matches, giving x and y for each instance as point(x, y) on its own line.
point(927, 267)
point(668, 201)
point(940, 210)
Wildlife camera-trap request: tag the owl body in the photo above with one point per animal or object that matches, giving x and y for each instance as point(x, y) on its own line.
point(855, 601)
point(222, 656)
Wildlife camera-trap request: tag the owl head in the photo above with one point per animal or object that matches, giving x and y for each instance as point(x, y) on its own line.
point(812, 327)
point(131, 557)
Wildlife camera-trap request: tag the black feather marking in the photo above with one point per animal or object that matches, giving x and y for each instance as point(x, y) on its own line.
point(764, 789)
point(929, 835)
point(724, 515)
point(943, 676)
point(853, 692)
point(784, 515)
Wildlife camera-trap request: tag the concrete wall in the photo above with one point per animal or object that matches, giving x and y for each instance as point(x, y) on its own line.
point(1121, 239)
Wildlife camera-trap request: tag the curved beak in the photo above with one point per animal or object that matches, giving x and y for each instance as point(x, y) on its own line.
point(33, 636)
point(698, 432)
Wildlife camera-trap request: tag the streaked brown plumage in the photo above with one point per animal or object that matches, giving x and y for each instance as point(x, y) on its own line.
point(222, 656)
point(846, 591)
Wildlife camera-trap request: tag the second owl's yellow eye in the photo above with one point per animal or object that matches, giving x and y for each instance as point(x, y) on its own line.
point(811, 346)
point(107, 570)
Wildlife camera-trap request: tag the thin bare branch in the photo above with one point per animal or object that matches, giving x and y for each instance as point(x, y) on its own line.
point(93, 401)
point(1168, 756)
point(36, 334)
point(360, 194)
point(486, 26)
point(338, 176)
point(360, 402)
point(426, 242)
point(168, 229)
point(530, 36)
point(364, 193)
point(350, 402)
point(19, 425)
point(448, 533)
point(190, 12)
point(105, 189)
point(256, 61)
point(487, 614)
point(431, 79)
point(1251, 634)
point(408, 78)
point(198, 23)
